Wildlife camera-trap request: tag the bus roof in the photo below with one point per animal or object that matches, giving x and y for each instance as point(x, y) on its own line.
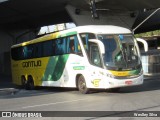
point(97, 29)
point(102, 29)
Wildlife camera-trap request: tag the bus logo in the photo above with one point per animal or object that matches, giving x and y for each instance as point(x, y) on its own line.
point(31, 64)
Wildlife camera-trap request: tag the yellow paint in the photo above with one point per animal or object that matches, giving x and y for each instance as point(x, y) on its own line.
point(96, 83)
point(18, 70)
point(41, 39)
point(120, 73)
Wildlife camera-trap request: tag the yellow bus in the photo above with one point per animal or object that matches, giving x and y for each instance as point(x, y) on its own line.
point(85, 57)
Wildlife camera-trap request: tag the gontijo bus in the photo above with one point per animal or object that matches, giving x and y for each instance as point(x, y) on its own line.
point(101, 57)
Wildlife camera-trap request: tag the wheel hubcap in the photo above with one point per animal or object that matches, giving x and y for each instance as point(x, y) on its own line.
point(82, 85)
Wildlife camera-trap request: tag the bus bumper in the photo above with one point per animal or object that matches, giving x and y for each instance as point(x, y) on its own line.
point(116, 83)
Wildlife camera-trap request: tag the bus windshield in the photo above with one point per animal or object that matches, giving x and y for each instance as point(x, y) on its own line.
point(121, 52)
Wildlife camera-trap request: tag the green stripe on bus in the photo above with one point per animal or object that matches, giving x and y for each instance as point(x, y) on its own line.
point(71, 33)
point(67, 34)
point(55, 68)
point(135, 72)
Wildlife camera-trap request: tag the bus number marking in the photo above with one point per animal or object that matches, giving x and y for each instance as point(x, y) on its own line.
point(96, 83)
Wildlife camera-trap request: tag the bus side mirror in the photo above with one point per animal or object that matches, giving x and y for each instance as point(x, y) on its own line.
point(101, 46)
point(145, 44)
point(99, 43)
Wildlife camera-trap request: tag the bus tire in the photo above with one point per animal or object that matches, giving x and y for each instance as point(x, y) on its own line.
point(30, 83)
point(23, 81)
point(82, 85)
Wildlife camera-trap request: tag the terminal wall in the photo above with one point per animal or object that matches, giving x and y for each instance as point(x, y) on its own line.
point(5, 43)
point(151, 62)
point(7, 39)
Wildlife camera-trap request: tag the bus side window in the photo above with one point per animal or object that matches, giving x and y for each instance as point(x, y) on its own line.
point(25, 53)
point(85, 37)
point(77, 46)
point(28, 51)
point(17, 53)
point(59, 46)
point(47, 48)
point(39, 50)
point(73, 45)
point(64, 46)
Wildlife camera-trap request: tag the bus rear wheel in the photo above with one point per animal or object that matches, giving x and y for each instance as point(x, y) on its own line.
point(82, 85)
point(23, 82)
point(29, 84)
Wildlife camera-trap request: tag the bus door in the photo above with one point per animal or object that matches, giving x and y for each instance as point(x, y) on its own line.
point(95, 58)
point(94, 55)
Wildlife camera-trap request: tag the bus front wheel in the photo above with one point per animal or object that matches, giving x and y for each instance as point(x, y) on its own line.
point(82, 85)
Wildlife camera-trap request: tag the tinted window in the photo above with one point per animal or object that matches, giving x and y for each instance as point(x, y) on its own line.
point(73, 45)
point(85, 37)
point(16, 53)
point(54, 47)
point(47, 48)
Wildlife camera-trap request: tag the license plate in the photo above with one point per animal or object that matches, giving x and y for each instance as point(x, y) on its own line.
point(128, 82)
